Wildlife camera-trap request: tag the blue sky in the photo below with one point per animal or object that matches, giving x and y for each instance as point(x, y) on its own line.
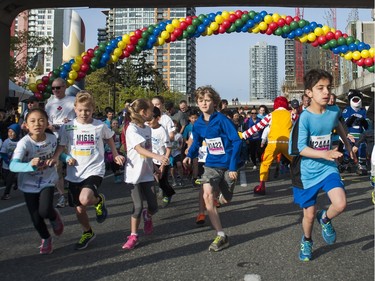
point(222, 60)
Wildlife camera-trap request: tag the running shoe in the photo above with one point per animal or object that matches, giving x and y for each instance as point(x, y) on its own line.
point(86, 238)
point(260, 190)
point(201, 219)
point(46, 246)
point(328, 232)
point(148, 227)
point(220, 243)
point(373, 197)
point(61, 202)
point(305, 253)
point(131, 243)
point(166, 200)
point(5, 197)
point(57, 224)
point(101, 210)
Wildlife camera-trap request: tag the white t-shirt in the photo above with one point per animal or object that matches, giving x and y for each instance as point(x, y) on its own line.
point(57, 110)
point(8, 148)
point(26, 150)
point(167, 122)
point(84, 142)
point(177, 144)
point(138, 168)
point(160, 141)
point(202, 152)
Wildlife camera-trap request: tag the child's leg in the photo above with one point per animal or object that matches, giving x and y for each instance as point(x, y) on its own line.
point(208, 196)
point(46, 209)
point(180, 169)
point(338, 202)
point(308, 220)
point(32, 203)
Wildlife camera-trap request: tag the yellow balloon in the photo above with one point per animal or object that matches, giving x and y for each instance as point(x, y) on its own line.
point(83, 54)
point(333, 30)
point(303, 39)
point(219, 19)
point(326, 29)
point(214, 26)
point(73, 75)
point(126, 39)
point(318, 31)
point(372, 52)
point(276, 17)
point(283, 16)
point(356, 55)
point(117, 52)
point(225, 15)
point(169, 28)
point(263, 26)
point(255, 30)
point(121, 45)
point(209, 31)
point(365, 54)
point(311, 37)
point(164, 35)
point(176, 23)
point(268, 19)
point(38, 81)
point(131, 34)
point(114, 58)
point(69, 82)
point(76, 66)
point(32, 87)
point(348, 56)
point(160, 41)
point(78, 59)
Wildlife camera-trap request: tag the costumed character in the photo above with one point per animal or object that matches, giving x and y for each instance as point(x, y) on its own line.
point(355, 119)
point(280, 122)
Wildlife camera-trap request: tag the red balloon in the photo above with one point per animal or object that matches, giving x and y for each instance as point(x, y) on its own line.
point(216, 32)
point(338, 34)
point(45, 80)
point(330, 35)
point(81, 74)
point(345, 35)
point(173, 37)
point(183, 25)
point(296, 18)
point(188, 20)
point(369, 61)
point(360, 62)
point(226, 24)
point(232, 18)
point(41, 87)
point(125, 53)
point(85, 67)
point(281, 22)
point(269, 31)
point(315, 43)
point(138, 33)
point(322, 40)
point(130, 48)
point(273, 26)
point(238, 13)
point(90, 52)
point(86, 59)
point(133, 40)
point(95, 48)
point(177, 32)
point(288, 19)
point(38, 96)
point(222, 29)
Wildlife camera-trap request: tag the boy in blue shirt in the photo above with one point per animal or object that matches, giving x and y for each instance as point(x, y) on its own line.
point(311, 138)
point(223, 147)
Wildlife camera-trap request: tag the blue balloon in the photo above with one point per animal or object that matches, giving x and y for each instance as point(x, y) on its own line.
point(353, 47)
point(306, 29)
point(206, 22)
point(320, 25)
point(336, 50)
point(156, 31)
point(212, 16)
point(219, 13)
point(298, 32)
point(201, 28)
point(263, 13)
point(344, 49)
point(244, 28)
point(105, 57)
point(152, 39)
point(258, 18)
point(71, 61)
point(284, 35)
point(149, 45)
point(250, 23)
point(291, 34)
point(361, 46)
point(63, 74)
point(313, 25)
point(67, 66)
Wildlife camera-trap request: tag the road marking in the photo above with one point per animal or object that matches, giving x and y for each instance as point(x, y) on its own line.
point(252, 277)
point(23, 204)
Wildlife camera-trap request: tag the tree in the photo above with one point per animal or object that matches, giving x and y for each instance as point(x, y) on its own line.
point(20, 43)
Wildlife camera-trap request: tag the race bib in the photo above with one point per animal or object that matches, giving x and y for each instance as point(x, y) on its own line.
point(84, 142)
point(320, 142)
point(215, 146)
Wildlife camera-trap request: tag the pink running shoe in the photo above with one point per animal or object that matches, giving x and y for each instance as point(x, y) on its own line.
point(148, 227)
point(46, 246)
point(131, 243)
point(57, 224)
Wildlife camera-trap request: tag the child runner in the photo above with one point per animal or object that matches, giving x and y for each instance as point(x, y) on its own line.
point(318, 170)
point(162, 146)
point(139, 169)
point(6, 153)
point(176, 157)
point(36, 177)
point(224, 147)
point(84, 138)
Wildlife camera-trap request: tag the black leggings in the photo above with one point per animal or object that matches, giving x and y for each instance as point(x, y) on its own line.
point(40, 206)
point(164, 183)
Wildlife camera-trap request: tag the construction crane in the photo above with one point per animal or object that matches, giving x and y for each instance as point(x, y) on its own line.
point(299, 55)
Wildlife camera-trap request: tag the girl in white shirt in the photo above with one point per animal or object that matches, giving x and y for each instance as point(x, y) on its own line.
point(139, 172)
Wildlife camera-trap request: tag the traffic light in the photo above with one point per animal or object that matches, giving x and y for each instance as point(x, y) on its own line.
point(102, 35)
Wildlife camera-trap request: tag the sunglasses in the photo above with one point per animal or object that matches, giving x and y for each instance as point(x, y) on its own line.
point(253, 113)
point(56, 88)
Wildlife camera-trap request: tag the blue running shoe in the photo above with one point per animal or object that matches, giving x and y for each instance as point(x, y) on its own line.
point(328, 232)
point(305, 253)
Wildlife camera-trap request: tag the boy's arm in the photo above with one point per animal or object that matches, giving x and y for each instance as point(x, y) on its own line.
point(342, 133)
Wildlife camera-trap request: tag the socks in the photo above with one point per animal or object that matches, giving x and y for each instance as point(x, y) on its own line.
point(307, 239)
point(88, 231)
point(325, 219)
point(221, 233)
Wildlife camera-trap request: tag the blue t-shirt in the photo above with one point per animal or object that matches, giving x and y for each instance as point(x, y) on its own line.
point(315, 131)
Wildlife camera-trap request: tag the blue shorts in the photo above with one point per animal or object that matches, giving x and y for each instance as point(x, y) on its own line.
point(307, 197)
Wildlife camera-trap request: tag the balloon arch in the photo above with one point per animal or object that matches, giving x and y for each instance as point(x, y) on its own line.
point(221, 22)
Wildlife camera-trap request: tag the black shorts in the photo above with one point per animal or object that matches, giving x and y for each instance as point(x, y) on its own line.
point(92, 182)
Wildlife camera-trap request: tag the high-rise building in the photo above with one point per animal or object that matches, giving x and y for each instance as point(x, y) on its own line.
point(177, 60)
point(263, 72)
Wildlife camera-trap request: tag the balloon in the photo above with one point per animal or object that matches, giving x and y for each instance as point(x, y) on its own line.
point(90, 52)
point(46, 95)
point(268, 19)
point(45, 80)
point(365, 54)
point(330, 36)
point(76, 66)
point(32, 87)
point(369, 61)
point(311, 37)
point(219, 19)
point(262, 25)
point(73, 75)
point(214, 26)
point(356, 55)
point(318, 31)
point(348, 56)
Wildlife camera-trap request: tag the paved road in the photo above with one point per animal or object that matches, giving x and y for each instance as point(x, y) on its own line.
point(264, 235)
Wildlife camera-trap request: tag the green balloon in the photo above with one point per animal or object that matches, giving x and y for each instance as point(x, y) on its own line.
point(145, 34)
point(325, 46)
point(191, 29)
point(232, 28)
point(332, 43)
point(301, 23)
point(185, 34)
point(141, 42)
point(286, 29)
point(238, 23)
point(97, 53)
point(102, 47)
point(201, 17)
point(49, 89)
point(56, 72)
point(150, 29)
point(252, 14)
point(138, 48)
point(294, 25)
point(245, 17)
point(350, 40)
point(196, 22)
point(61, 68)
point(370, 68)
point(278, 31)
point(341, 41)
point(94, 61)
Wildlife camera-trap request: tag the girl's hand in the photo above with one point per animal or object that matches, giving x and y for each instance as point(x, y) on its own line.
point(120, 160)
point(51, 162)
point(233, 175)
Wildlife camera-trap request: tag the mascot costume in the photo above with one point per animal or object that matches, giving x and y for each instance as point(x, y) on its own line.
point(355, 119)
point(280, 122)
